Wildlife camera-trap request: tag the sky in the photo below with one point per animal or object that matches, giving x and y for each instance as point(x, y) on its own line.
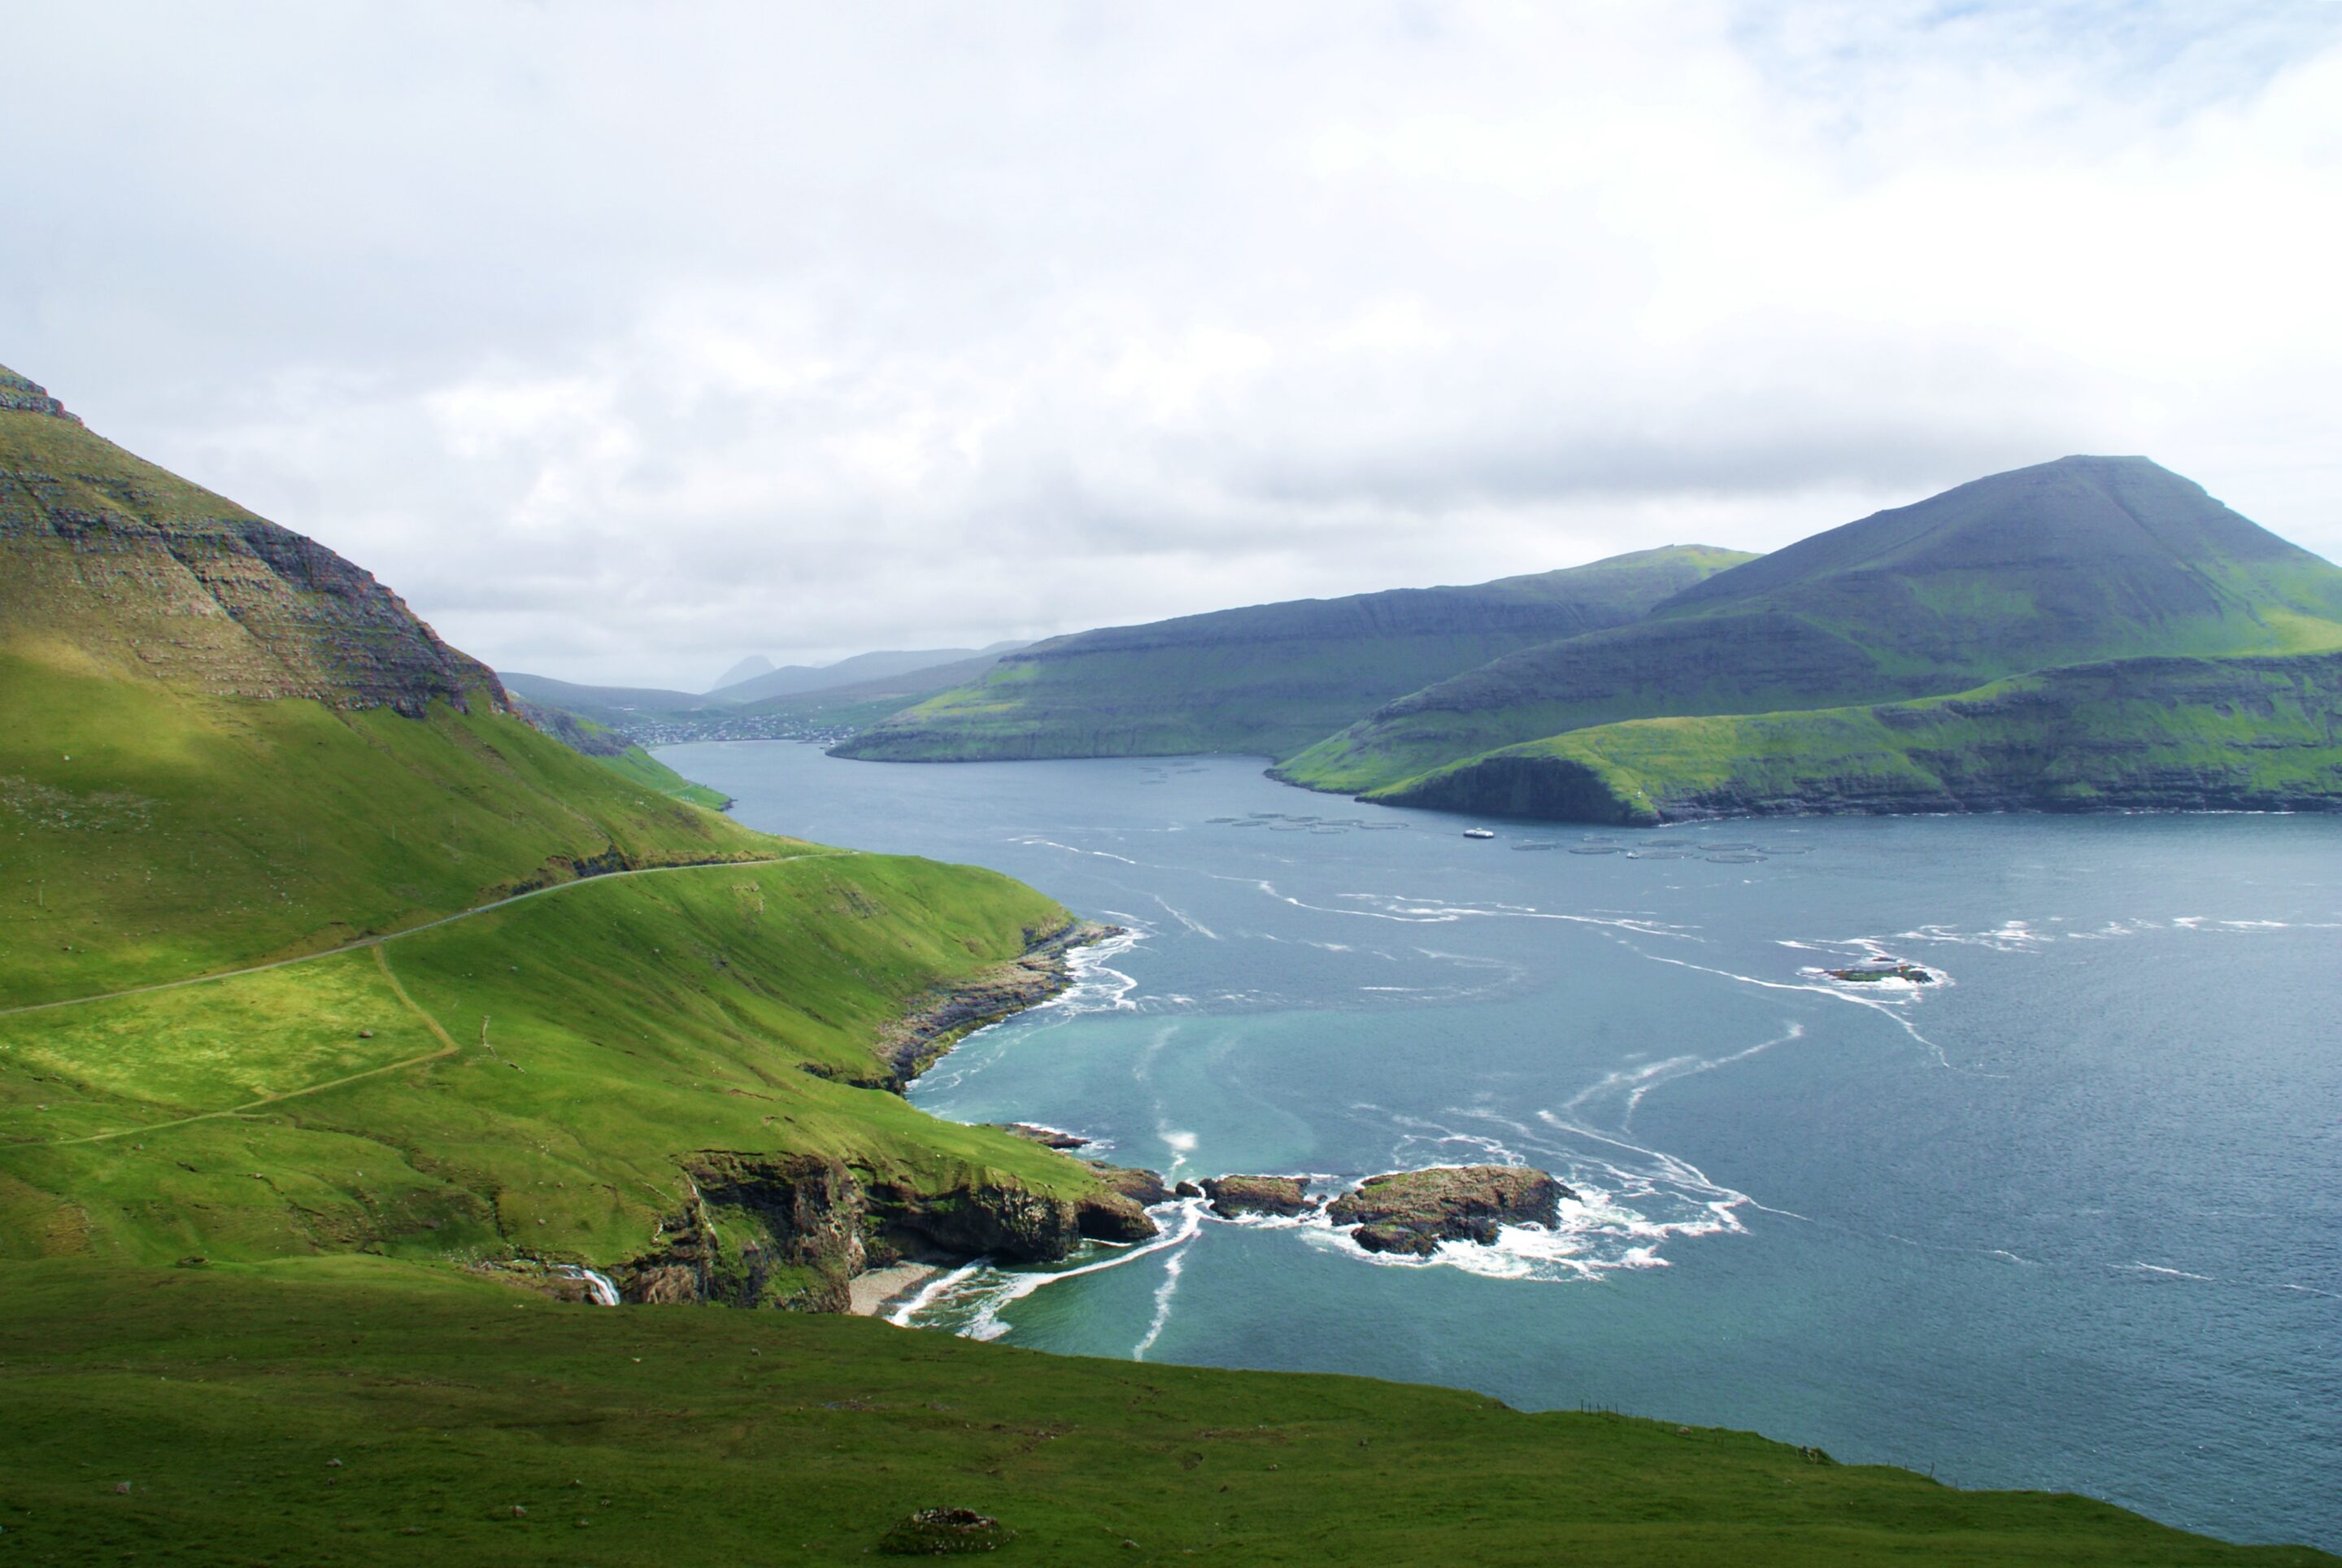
point(625, 341)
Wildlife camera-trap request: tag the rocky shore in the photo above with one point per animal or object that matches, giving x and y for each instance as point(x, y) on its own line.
point(801, 1231)
point(939, 1021)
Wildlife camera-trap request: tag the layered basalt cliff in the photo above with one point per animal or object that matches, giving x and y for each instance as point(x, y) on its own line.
point(190, 588)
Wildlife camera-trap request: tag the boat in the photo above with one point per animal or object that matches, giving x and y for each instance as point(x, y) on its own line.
point(1479, 832)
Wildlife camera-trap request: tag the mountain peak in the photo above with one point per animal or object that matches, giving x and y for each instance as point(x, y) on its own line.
point(2085, 518)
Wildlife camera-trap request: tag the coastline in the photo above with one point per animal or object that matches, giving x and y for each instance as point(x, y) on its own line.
point(948, 1015)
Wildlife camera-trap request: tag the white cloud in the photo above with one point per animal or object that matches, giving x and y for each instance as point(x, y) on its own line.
point(624, 342)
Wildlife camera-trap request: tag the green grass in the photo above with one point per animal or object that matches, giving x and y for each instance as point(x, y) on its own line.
point(630, 1023)
point(702, 1435)
point(2137, 734)
point(146, 834)
point(644, 771)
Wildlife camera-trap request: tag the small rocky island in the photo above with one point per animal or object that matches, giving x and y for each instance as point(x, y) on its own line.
point(1886, 970)
point(1408, 1212)
point(1234, 1197)
point(1414, 1210)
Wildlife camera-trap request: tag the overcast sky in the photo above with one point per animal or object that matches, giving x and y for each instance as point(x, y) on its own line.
point(628, 339)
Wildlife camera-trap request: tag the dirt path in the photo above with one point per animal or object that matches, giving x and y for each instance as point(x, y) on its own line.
point(375, 941)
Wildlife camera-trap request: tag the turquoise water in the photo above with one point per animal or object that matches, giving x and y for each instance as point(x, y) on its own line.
point(2068, 1218)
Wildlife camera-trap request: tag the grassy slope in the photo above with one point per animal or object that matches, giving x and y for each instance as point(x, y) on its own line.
point(632, 1021)
point(2241, 733)
point(646, 771)
point(148, 834)
point(2075, 561)
point(703, 1436)
point(1267, 679)
point(154, 826)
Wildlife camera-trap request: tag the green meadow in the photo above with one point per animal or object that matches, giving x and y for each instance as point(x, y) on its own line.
point(364, 1410)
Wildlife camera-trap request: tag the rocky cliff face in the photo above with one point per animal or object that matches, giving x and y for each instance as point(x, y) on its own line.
point(792, 1230)
point(20, 395)
point(132, 565)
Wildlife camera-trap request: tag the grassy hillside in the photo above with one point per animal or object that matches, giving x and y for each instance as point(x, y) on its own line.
point(2252, 734)
point(147, 833)
point(646, 771)
point(546, 1079)
point(226, 744)
point(621, 755)
point(2083, 559)
point(227, 747)
point(364, 1411)
point(1268, 679)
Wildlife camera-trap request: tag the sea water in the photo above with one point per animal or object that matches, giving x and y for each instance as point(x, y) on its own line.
point(2069, 1216)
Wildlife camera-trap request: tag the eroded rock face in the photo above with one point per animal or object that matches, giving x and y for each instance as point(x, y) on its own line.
point(1145, 1187)
point(1414, 1210)
point(1236, 1196)
point(1112, 1217)
point(754, 1215)
point(796, 1212)
point(194, 590)
point(22, 395)
point(1004, 1223)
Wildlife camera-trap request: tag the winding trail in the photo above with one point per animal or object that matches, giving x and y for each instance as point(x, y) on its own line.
point(377, 939)
point(448, 1046)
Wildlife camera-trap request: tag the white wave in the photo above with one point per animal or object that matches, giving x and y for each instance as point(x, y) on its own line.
point(1172, 1268)
point(2139, 1268)
point(984, 1291)
point(1633, 1083)
point(935, 1290)
point(1038, 843)
point(1095, 984)
point(1884, 1005)
point(1197, 927)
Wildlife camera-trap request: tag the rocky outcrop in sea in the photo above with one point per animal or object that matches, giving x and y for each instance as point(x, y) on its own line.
point(1413, 1211)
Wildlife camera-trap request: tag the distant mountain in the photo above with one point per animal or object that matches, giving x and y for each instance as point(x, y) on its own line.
point(867, 674)
point(794, 679)
point(599, 702)
point(755, 664)
point(867, 702)
point(1271, 678)
point(2079, 560)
